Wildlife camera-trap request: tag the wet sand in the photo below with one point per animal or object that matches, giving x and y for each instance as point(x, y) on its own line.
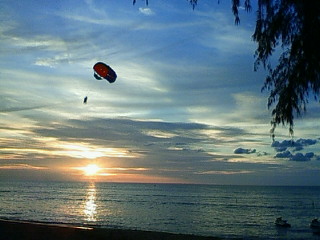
point(16, 230)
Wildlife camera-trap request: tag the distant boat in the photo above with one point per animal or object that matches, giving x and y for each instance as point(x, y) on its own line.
point(281, 223)
point(315, 223)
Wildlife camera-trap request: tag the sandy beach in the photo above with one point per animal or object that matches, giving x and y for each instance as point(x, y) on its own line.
point(16, 230)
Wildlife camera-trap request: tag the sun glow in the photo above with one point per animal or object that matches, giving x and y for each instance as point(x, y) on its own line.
point(85, 150)
point(91, 170)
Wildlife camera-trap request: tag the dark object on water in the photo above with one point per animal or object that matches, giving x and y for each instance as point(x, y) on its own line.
point(315, 226)
point(315, 223)
point(281, 223)
point(85, 100)
point(102, 70)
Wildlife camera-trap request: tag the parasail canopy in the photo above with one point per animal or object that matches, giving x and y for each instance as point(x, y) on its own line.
point(103, 71)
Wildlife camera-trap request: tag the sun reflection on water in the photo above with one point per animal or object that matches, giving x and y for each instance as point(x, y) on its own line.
point(90, 207)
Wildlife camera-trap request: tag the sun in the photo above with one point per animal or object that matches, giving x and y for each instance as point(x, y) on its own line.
point(91, 169)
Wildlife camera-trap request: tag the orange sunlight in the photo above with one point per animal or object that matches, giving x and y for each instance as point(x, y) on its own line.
point(90, 170)
point(118, 174)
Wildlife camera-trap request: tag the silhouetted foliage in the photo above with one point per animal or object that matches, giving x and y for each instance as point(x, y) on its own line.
point(293, 25)
point(134, 2)
point(235, 9)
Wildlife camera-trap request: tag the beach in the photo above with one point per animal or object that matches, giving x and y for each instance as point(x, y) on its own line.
point(16, 230)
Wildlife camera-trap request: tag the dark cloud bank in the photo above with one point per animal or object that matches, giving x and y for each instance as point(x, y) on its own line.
point(289, 149)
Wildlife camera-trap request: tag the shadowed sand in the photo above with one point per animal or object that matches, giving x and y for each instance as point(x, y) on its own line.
point(14, 230)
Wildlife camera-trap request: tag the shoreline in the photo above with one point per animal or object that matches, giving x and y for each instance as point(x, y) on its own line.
point(14, 230)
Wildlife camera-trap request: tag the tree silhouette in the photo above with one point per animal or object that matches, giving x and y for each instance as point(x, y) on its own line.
point(293, 28)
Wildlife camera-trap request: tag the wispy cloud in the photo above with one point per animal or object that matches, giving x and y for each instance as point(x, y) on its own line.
point(244, 151)
point(146, 11)
point(221, 36)
point(21, 166)
point(224, 172)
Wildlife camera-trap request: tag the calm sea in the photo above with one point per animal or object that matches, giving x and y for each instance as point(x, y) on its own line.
point(223, 211)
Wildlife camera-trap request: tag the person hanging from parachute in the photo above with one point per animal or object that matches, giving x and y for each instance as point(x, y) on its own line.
point(102, 71)
point(85, 100)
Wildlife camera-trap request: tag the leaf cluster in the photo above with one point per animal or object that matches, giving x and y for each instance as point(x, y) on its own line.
point(293, 25)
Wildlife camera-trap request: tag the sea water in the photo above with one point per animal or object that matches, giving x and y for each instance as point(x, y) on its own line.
point(223, 211)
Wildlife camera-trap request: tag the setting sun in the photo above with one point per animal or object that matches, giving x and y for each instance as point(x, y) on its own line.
point(91, 169)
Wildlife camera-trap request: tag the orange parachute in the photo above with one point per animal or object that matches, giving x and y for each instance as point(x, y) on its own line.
point(102, 70)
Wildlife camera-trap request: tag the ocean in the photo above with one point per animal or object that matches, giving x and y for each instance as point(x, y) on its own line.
point(246, 212)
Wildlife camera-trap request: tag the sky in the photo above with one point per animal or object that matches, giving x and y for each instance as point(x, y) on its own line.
point(186, 107)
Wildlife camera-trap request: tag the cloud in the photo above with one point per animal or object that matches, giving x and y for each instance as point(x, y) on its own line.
point(298, 157)
point(168, 149)
point(259, 154)
point(224, 172)
point(310, 155)
point(244, 151)
point(297, 145)
point(306, 142)
point(220, 36)
point(282, 149)
point(22, 166)
point(282, 146)
point(285, 154)
point(38, 42)
point(146, 11)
